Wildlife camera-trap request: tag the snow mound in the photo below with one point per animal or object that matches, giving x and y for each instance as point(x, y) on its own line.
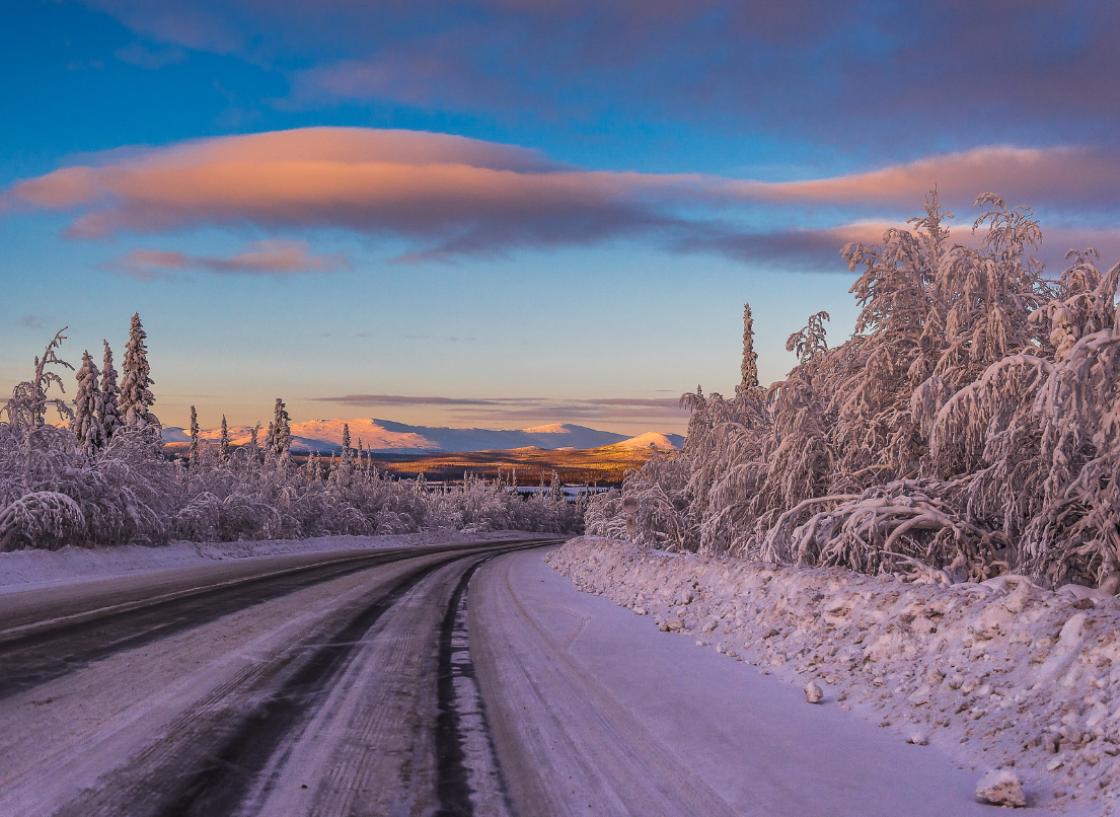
point(998, 674)
point(1001, 787)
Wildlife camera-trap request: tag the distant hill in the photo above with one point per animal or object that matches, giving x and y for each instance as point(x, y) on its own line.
point(664, 442)
point(388, 436)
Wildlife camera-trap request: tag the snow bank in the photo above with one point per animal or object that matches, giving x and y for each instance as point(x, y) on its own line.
point(1001, 674)
point(25, 569)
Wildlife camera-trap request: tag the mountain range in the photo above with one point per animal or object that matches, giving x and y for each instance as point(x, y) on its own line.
point(389, 436)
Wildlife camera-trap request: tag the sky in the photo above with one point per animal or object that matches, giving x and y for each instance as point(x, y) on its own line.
point(511, 212)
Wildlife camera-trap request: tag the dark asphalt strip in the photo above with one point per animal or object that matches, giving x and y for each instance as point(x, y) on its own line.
point(219, 787)
point(37, 657)
point(452, 781)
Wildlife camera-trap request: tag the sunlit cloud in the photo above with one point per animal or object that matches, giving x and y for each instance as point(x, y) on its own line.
point(448, 196)
point(1081, 176)
point(276, 258)
point(526, 409)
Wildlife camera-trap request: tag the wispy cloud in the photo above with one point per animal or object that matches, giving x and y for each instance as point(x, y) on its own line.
point(405, 400)
point(851, 73)
point(30, 321)
point(526, 409)
point(276, 258)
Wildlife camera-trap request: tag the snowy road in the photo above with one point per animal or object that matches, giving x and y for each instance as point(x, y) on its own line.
point(441, 681)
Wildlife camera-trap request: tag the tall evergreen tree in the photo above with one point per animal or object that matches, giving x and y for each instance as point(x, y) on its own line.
point(223, 443)
point(136, 393)
point(280, 432)
point(340, 474)
point(254, 443)
point(749, 371)
point(87, 406)
point(193, 451)
point(109, 411)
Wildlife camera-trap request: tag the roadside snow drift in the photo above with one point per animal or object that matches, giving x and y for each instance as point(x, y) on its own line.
point(1002, 674)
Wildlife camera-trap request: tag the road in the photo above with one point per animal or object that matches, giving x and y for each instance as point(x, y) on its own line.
point(466, 680)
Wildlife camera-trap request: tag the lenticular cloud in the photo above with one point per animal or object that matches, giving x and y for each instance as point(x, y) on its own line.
point(448, 191)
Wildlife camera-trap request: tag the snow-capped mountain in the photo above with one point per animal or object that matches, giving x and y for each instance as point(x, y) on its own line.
point(325, 436)
point(665, 442)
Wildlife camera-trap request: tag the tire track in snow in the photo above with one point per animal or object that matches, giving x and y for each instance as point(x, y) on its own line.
point(468, 771)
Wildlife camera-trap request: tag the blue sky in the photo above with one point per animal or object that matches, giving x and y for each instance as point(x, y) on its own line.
point(566, 203)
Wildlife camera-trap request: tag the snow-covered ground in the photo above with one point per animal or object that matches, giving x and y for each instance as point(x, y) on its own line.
point(29, 569)
point(596, 714)
point(1001, 675)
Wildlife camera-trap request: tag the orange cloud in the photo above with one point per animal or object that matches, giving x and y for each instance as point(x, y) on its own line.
point(462, 193)
point(261, 258)
point(1067, 175)
point(450, 195)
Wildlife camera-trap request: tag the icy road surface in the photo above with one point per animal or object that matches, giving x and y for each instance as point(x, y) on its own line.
point(451, 680)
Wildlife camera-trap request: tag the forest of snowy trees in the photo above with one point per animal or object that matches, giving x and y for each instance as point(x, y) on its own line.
point(969, 427)
point(94, 471)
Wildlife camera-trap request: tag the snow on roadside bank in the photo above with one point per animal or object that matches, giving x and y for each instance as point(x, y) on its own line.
point(27, 569)
point(1001, 674)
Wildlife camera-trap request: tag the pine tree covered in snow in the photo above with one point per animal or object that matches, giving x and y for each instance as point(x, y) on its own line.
point(192, 451)
point(136, 394)
point(88, 407)
point(279, 438)
point(748, 375)
point(109, 411)
point(224, 443)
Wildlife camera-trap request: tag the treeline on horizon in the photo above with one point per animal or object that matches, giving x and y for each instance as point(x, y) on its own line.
point(101, 476)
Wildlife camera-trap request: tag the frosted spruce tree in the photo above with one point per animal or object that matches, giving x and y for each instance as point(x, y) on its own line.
point(223, 443)
point(136, 393)
point(340, 474)
point(87, 407)
point(108, 414)
point(280, 433)
point(748, 378)
point(254, 445)
point(192, 455)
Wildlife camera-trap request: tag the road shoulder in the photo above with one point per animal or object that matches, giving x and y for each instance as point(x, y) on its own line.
point(595, 712)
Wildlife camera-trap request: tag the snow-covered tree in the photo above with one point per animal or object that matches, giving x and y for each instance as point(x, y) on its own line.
point(279, 439)
point(192, 451)
point(87, 407)
point(136, 394)
point(109, 411)
point(969, 427)
point(224, 443)
point(748, 376)
point(30, 400)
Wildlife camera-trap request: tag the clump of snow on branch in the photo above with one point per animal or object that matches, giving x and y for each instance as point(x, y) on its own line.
point(969, 427)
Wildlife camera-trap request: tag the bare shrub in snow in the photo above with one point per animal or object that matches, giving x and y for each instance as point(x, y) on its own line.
point(969, 427)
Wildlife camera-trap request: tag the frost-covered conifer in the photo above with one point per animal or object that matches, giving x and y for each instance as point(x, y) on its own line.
point(136, 394)
point(87, 407)
point(749, 373)
point(192, 451)
point(254, 446)
point(280, 432)
point(109, 410)
point(224, 443)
